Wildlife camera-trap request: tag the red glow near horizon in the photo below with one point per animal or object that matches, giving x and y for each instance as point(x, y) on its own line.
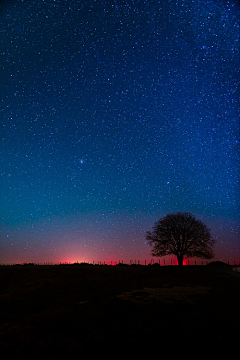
point(114, 260)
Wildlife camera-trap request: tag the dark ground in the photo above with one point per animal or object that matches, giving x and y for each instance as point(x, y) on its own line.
point(65, 312)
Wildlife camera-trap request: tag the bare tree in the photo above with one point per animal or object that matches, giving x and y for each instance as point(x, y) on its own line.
point(181, 234)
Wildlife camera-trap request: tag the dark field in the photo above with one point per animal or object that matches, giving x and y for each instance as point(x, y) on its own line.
point(134, 312)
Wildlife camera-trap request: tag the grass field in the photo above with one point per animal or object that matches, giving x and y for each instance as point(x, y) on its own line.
point(132, 312)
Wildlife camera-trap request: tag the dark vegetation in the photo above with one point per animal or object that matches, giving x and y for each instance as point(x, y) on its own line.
point(61, 312)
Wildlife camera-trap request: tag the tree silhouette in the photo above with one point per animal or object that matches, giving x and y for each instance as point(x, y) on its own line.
point(181, 234)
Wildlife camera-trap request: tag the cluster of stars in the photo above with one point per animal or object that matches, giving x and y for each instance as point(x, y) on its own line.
point(126, 108)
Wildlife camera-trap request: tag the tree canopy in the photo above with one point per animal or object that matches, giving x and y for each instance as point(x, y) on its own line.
point(182, 235)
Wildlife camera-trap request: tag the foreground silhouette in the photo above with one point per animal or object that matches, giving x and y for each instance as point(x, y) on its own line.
point(83, 312)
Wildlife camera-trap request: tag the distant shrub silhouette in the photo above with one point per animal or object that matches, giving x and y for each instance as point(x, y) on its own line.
point(28, 264)
point(121, 264)
point(218, 264)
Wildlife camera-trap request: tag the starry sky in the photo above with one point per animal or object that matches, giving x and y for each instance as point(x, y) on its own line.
point(114, 114)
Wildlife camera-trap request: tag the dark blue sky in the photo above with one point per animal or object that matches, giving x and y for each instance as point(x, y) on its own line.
point(113, 114)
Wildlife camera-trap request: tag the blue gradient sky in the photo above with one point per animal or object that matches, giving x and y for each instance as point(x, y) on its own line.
point(113, 114)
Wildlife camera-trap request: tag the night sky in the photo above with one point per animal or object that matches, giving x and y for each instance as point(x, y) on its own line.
point(114, 114)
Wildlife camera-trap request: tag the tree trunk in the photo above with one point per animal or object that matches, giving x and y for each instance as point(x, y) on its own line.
point(180, 259)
